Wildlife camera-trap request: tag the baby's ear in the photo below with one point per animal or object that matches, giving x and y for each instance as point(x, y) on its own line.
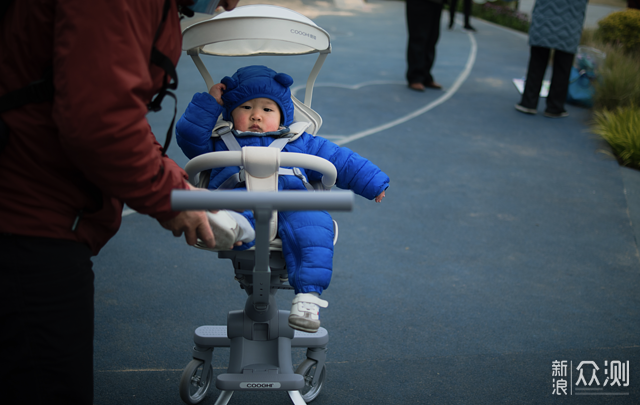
point(229, 82)
point(284, 79)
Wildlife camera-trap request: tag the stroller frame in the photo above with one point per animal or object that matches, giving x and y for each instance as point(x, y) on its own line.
point(259, 337)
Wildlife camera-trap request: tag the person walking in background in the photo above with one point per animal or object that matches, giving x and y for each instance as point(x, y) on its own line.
point(557, 25)
point(423, 23)
point(466, 8)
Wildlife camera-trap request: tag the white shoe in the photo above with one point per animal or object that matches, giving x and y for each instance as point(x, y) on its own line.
point(225, 229)
point(305, 312)
point(228, 228)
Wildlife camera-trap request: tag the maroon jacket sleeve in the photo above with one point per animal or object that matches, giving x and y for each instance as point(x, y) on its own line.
point(103, 82)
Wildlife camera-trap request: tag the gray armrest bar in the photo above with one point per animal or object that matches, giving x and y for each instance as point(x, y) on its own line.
point(183, 200)
point(287, 159)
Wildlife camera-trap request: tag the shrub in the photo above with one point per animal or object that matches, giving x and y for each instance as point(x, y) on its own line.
point(621, 129)
point(621, 28)
point(501, 13)
point(618, 83)
point(589, 38)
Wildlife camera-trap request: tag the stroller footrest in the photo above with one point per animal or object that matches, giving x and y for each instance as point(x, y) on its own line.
point(304, 339)
point(211, 336)
point(216, 336)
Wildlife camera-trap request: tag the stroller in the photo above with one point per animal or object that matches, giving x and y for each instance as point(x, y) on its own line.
point(259, 337)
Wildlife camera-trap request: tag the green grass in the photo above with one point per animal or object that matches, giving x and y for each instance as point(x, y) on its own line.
point(502, 14)
point(616, 99)
point(621, 129)
point(499, 12)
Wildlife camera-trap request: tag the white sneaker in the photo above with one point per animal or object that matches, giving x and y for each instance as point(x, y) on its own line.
point(228, 228)
point(305, 312)
point(225, 229)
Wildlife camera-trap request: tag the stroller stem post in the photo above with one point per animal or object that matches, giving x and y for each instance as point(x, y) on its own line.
point(261, 270)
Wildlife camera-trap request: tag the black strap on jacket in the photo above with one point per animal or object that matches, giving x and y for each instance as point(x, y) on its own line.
point(35, 92)
point(161, 60)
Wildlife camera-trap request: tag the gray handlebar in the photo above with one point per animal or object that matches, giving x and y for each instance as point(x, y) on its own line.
point(182, 200)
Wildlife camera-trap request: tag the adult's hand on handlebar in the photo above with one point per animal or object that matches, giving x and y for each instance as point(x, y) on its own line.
point(194, 225)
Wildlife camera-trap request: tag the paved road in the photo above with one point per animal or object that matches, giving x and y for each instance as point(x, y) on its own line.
point(506, 242)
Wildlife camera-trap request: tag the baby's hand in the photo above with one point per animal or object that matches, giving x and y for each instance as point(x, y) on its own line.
point(216, 91)
point(380, 197)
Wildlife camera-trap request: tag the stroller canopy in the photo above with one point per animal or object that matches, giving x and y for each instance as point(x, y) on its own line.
point(256, 30)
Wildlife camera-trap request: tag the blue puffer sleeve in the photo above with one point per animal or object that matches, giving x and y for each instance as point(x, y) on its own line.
point(354, 172)
point(193, 130)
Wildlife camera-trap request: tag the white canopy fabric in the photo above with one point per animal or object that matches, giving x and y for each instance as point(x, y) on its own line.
point(256, 30)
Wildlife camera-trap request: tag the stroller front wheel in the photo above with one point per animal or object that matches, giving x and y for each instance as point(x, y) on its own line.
point(308, 370)
point(192, 387)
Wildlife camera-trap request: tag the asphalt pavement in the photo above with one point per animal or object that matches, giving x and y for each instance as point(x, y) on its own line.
point(502, 261)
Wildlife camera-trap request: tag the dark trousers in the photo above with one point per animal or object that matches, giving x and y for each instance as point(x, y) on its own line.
point(46, 321)
point(466, 7)
point(538, 62)
point(423, 23)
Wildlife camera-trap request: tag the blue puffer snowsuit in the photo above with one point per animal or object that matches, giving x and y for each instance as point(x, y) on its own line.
point(307, 236)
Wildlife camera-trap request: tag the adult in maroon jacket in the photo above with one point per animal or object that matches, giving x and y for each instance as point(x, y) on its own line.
point(68, 168)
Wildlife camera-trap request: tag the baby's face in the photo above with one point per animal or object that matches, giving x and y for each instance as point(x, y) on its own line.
point(257, 115)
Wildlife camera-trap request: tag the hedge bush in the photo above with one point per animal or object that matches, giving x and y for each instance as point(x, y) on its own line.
point(621, 28)
point(618, 83)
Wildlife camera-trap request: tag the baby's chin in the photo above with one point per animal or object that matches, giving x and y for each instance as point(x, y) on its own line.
point(256, 130)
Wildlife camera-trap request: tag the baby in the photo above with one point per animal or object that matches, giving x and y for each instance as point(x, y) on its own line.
point(257, 102)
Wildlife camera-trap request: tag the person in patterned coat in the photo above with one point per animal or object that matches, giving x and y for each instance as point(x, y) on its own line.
point(557, 25)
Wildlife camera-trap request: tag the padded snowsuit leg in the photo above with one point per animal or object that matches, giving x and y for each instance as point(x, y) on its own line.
point(307, 245)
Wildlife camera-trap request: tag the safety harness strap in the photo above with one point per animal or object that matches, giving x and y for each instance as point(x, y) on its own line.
point(226, 134)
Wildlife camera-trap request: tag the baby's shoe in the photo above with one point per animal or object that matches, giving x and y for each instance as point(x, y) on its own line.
point(227, 230)
point(305, 312)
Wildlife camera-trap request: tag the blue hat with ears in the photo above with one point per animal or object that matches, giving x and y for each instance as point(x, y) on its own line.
point(258, 82)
